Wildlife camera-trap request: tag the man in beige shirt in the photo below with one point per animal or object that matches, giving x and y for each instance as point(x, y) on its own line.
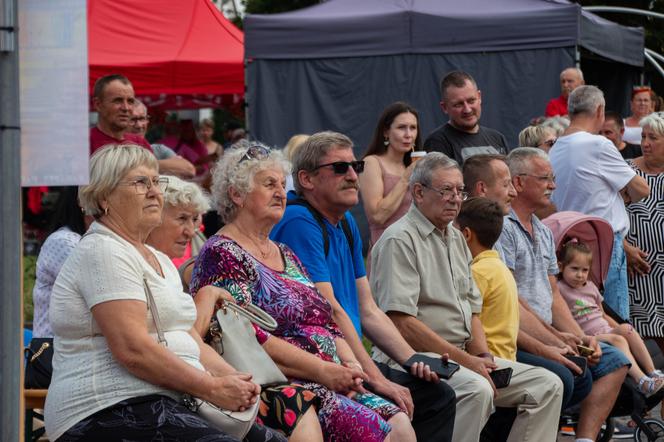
point(422, 280)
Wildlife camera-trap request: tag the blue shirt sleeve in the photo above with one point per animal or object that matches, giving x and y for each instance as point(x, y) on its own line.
point(300, 231)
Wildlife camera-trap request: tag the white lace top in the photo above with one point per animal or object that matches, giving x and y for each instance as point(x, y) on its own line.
point(86, 376)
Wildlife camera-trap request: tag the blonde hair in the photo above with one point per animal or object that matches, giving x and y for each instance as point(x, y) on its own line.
point(108, 166)
point(294, 144)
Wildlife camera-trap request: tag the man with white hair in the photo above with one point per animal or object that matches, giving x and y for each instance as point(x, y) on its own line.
point(570, 79)
point(594, 179)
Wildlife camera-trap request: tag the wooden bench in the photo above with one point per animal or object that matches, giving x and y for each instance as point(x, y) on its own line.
point(34, 400)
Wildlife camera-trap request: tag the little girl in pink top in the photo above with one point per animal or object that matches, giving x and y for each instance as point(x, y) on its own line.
point(585, 303)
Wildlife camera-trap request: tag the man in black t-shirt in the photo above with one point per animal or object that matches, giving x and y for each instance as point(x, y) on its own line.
point(613, 129)
point(462, 136)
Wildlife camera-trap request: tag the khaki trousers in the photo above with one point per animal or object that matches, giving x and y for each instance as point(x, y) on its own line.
point(534, 391)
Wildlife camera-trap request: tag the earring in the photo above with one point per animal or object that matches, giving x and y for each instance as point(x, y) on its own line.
point(386, 142)
point(106, 210)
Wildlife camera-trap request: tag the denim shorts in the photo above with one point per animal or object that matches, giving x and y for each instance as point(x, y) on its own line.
point(611, 360)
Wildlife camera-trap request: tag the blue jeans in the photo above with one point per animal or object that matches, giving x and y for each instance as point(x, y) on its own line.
point(575, 388)
point(615, 285)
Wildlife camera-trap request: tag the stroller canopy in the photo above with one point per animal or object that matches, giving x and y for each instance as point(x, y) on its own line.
point(595, 232)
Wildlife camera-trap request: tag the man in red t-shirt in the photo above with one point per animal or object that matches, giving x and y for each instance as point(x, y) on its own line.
point(570, 79)
point(113, 99)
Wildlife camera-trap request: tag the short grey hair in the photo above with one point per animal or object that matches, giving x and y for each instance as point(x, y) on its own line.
point(308, 155)
point(425, 167)
point(181, 193)
point(655, 122)
point(585, 100)
point(558, 124)
point(232, 172)
point(578, 71)
point(519, 159)
point(108, 166)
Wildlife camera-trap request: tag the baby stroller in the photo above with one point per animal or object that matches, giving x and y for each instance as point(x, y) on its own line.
point(598, 235)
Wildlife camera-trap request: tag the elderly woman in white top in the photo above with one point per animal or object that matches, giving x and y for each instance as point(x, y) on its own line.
point(112, 380)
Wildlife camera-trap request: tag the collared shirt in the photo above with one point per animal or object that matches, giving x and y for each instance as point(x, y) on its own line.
point(532, 259)
point(424, 272)
point(98, 139)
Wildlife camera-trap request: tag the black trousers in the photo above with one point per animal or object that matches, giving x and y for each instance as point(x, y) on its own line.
point(155, 417)
point(435, 405)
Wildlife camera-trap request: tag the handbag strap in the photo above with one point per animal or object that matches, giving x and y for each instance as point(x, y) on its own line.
point(255, 314)
point(152, 306)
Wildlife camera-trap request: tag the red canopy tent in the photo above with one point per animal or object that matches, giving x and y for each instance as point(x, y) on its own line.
point(178, 53)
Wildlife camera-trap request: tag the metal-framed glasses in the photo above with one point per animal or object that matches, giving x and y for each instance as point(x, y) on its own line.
point(143, 184)
point(341, 167)
point(449, 192)
point(548, 178)
point(255, 152)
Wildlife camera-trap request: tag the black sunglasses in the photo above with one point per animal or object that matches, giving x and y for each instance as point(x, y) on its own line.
point(341, 167)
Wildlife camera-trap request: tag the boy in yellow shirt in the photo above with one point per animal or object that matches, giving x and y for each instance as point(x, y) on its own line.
point(481, 222)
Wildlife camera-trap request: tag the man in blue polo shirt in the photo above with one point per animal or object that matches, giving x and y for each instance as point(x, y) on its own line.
point(325, 175)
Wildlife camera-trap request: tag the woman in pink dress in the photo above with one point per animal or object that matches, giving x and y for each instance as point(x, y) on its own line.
point(388, 166)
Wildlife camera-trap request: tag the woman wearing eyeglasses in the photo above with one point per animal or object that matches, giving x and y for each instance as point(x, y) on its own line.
point(388, 161)
point(112, 379)
point(246, 266)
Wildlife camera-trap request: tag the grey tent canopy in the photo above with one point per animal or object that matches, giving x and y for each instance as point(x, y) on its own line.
point(336, 65)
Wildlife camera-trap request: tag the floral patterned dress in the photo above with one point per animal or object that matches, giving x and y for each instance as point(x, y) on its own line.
point(304, 319)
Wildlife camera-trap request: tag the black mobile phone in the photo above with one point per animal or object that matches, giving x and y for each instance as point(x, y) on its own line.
point(580, 361)
point(501, 378)
point(444, 370)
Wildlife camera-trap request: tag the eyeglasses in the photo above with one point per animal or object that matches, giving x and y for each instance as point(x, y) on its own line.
point(449, 193)
point(548, 178)
point(255, 152)
point(550, 143)
point(144, 119)
point(341, 167)
point(143, 184)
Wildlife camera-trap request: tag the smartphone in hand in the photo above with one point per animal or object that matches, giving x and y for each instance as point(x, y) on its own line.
point(580, 361)
point(501, 378)
point(444, 369)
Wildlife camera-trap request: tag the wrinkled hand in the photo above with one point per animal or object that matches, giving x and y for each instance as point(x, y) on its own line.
point(591, 342)
point(557, 354)
point(235, 392)
point(482, 366)
point(636, 260)
point(343, 379)
point(398, 394)
point(424, 372)
point(571, 339)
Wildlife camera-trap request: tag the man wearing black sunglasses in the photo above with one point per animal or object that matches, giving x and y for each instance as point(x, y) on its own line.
point(325, 176)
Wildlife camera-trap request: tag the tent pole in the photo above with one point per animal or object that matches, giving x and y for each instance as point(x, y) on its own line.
point(247, 128)
point(652, 61)
point(11, 312)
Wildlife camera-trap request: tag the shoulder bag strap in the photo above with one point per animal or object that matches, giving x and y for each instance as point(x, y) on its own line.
point(152, 306)
point(255, 314)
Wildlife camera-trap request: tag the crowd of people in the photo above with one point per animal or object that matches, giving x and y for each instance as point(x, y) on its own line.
point(460, 269)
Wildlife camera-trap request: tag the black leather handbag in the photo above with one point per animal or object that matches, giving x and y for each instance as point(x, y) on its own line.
point(38, 363)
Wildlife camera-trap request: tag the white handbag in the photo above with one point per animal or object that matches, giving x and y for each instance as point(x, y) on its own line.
point(234, 423)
